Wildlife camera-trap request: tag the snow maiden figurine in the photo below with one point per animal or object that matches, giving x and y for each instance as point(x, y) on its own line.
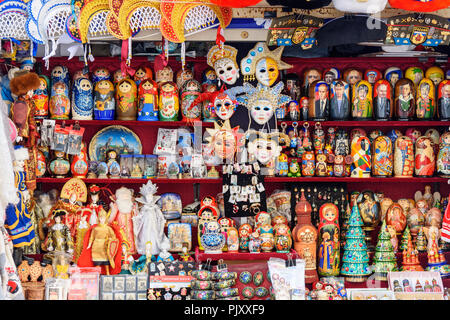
point(149, 222)
point(82, 100)
point(104, 102)
point(223, 60)
point(148, 101)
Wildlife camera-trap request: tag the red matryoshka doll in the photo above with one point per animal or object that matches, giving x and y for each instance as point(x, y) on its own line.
point(142, 73)
point(232, 240)
point(310, 75)
point(148, 101)
point(119, 76)
point(304, 108)
point(99, 74)
point(308, 164)
point(362, 108)
point(183, 76)
point(282, 238)
point(424, 160)
point(209, 201)
point(330, 75)
point(190, 91)
point(168, 102)
point(396, 218)
point(126, 100)
point(362, 158)
point(352, 76)
point(403, 157)
point(205, 214)
point(372, 76)
point(404, 101)
point(225, 224)
point(342, 165)
point(382, 157)
point(443, 157)
point(426, 101)
point(79, 166)
point(443, 93)
point(329, 246)
point(244, 236)
point(164, 75)
point(40, 98)
point(319, 101)
point(413, 133)
point(383, 106)
point(59, 105)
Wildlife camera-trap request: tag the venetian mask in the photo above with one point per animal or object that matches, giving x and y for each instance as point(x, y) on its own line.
point(262, 111)
point(264, 147)
point(267, 71)
point(224, 106)
point(227, 71)
point(224, 141)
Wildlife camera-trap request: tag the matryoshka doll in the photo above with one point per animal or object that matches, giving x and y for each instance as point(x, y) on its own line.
point(244, 236)
point(308, 164)
point(101, 73)
point(404, 101)
point(382, 157)
point(282, 237)
point(126, 98)
point(208, 110)
point(59, 105)
point(372, 76)
point(403, 157)
point(164, 75)
point(142, 73)
point(183, 76)
point(321, 165)
point(319, 101)
point(60, 74)
point(82, 100)
point(190, 91)
point(352, 76)
point(79, 74)
point(209, 78)
point(361, 154)
point(329, 246)
point(330, 75)
point(434, 135)
point(232, 240)
point(444, 100)
point(382, 100)
point(168, 102)
point(79, 166)
point(362, 108)
point(292, 86)
point(424, 160)
point(415, 74)
point(293, 110)
point(205, 214)
point(281, 166)
point(435, 74)
point(393, 74)
point(443, 157)
point(310, 75)
point(118, 76)
point(339, 100)
point(304, 108)
point(40, 98)
point(413, 133)
point(104, 101)
point(148, 101)
point(426, 101)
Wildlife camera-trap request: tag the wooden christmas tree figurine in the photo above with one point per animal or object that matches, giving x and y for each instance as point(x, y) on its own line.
point(384, 259)
point(410, 260)
point(404, 242)
point(421, 241)
point(355, 261)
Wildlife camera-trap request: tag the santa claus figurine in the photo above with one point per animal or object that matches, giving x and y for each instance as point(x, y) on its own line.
point(123, 209)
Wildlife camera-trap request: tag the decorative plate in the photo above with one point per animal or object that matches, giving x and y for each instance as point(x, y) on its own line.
point(119, 138)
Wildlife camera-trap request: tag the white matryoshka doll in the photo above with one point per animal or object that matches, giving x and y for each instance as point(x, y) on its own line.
point(82, 100)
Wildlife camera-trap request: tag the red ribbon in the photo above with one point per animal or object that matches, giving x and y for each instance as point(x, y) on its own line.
point(126, 69)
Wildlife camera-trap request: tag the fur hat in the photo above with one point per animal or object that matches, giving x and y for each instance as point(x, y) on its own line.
point(24, 82)
point(21, 153)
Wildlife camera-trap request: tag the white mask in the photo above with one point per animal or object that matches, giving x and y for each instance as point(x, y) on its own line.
point(227, 71)
point(264, 150)
point(224, 108)
point(266, 71)
point(261, 111)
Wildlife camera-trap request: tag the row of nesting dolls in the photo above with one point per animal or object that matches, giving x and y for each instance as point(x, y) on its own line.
point(332, 97)
point(361, 155)
point(139, 98)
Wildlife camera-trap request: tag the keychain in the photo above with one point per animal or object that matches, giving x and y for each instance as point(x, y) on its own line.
point(319, 138)
point(294, 136)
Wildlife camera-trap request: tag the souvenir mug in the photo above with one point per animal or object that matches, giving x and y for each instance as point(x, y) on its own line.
point(82, 100)
point(444, 100)
point(382, 100)
point(319, 101)
point(403, 157)
point(126, 99)
point(190, 91)
point(424, 160)
point(425, 102)
point(168, 102)
point(415, 74)
point(40, 98)
point(339, 100)
point(352, 76)
point(443, 157)
point(59, 105)
point(361, 154)
point(104, 101)
point(362, 108)
point(404, 99)
point(382, 157)
point(148, 101)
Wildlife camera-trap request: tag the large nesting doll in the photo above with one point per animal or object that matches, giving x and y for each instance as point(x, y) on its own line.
point(126, 100)
point(361, 153)
point(382, 157)
point(104, 101)
point(424, 160)
point(339, 100)
point(415, 74)
point(444, 100)
point(435, 74)
point(352, 76)
point(60, 74)
point(319, 101)
point(82, 100)
point(362, 108)
point(223, 60)
point(382, 100)
point(443, 157)
point(393, 74)
point(142, 73)
point(404, 99)
point(309, 76)
point(40, 98)
point(189, 92)
point(168, 101)
point(101, 73)
point(329, 246)
point(403, 157)
point(426, 101)
point(148, 101)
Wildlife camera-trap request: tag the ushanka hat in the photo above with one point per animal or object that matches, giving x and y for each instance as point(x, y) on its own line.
point(23, 82)
point(300, 4)
point(419, 5)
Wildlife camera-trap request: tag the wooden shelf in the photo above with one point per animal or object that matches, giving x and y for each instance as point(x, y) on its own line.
point(134, 123)
point(379, 124)
point(130, 181)
point(353, 180)
point(202, 256)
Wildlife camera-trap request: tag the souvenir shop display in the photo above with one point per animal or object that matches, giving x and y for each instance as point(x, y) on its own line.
point(416, 285)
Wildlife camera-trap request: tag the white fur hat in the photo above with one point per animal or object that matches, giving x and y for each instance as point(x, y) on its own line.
point(21, 153)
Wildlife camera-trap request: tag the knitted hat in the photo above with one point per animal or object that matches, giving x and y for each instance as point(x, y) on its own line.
point(23, 82)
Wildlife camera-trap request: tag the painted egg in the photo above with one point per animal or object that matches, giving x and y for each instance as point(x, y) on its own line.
point(245, 277)
point(258, 278)
point(248, 292)
point(261, 292)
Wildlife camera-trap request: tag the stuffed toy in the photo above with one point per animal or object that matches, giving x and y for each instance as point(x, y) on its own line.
point(357, 6)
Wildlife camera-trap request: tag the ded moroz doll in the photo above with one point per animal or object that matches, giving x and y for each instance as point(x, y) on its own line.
point(104, 102)
point(126, 99)
point(148, 101)
point(82, 100)
point(168, 102)
point(40, 98)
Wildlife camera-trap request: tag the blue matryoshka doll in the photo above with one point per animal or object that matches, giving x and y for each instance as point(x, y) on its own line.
point(82, 99)
point(101, 73)
point(209, 77)
point(104, 100)
point(60, 74)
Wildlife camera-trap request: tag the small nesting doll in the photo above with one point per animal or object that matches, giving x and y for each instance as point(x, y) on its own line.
point(310, 75)
point(142, 73)
point(352, 76)
point(126, 98)
point(82, 100)
point(79, 74)
point(383, 157)
point(382, 100)
point(183, 76)
point(360, 152)
point(329, 246)
point(435, 74)
point(118, 76)
point(244, 236)
point(282, 238)
point(59, 105)
point(403, 157)
point(40, 98)
point(426, 101)
point(99, 74)
point(424, 160)
point(319, 101)
point(415, 74)
point(444, 100)
point(404, 99)
point(308, 163)
point(339, 100)
point(443, 157)
point(372, 75)
point(393, 74)
point(190, 91)
point(292, 86)
point(209, 78)
point(104, 101)
point(208, 110)
point(60, 74)
point(304, 108)
point(293, 111)
point(168, 102)
point(321, 165)
point(148, 101)
point(164, 75)
point(362, 108)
